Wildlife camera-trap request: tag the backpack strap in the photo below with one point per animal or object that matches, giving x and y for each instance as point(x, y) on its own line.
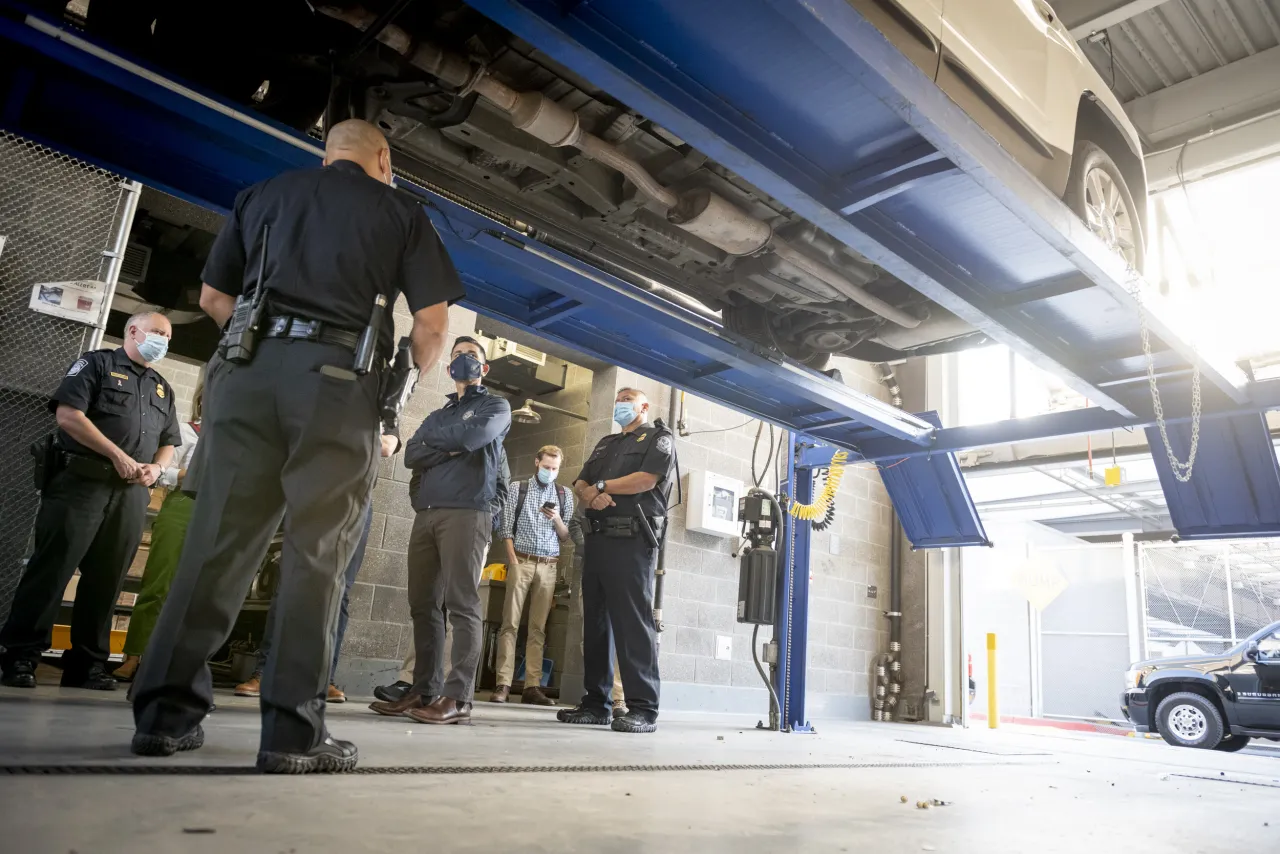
point(560, 493)
point(524, 493)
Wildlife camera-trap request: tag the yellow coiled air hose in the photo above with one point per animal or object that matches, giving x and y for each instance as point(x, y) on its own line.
point(818, 509)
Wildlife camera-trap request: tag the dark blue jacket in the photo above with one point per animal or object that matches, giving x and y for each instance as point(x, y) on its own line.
point(456, 454)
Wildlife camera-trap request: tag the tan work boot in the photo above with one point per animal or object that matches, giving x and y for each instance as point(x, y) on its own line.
point(335, 695)
point(534, 697)
point(500, 694)
point(128, 669)
point(252, 688)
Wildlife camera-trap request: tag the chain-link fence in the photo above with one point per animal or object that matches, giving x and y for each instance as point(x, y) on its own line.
point(58, 216)
point(1204, 598)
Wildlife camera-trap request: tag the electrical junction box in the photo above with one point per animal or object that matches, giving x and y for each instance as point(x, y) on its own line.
point(713, 504)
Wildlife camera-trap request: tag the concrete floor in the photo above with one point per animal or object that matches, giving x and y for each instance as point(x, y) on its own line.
point(1011, 791)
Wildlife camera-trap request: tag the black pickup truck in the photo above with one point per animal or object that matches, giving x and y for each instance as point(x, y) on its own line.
point(1210, 701)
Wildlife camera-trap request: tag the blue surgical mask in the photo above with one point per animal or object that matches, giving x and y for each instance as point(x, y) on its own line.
point(153, 348)
point(465, 368)
point(624, 412)
point(545, 477)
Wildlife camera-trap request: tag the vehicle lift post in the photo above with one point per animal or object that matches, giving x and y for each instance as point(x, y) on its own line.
point(792, 628)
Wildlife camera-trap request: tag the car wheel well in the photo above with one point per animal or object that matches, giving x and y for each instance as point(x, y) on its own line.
point(1095, 124)
point(1164, 689)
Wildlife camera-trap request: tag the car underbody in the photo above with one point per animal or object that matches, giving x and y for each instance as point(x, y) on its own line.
point(473, 111)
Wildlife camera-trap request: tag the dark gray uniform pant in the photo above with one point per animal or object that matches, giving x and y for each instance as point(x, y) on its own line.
point(90, 524)
point(447, 548)
point(281, 440)
point(617, 613)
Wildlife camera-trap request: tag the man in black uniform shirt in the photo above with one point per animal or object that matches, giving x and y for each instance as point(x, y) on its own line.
point(117, 428)
point(292, 432)
point(624, 486)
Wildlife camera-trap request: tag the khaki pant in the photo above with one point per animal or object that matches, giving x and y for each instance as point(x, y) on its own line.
point(536, 582)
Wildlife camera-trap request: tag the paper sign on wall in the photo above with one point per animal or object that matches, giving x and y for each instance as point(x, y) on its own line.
point(80, 300)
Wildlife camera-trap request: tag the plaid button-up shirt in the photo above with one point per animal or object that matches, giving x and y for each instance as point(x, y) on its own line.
point(535, 534)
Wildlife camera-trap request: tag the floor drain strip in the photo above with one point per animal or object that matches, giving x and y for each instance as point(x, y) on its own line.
point(236, 770)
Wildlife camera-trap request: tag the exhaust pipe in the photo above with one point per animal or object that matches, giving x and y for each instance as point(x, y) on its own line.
point(700, 212)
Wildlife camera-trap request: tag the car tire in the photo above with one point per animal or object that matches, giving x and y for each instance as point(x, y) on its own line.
point(1234, 744)
point(1098, 194)
point(1187, 719)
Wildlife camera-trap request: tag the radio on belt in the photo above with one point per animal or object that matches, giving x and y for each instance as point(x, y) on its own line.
point(758, 570)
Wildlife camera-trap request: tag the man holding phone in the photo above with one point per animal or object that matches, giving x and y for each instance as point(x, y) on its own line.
point(533, 527)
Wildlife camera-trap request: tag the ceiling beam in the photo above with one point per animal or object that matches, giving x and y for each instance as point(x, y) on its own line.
point(1222, 151)
point(1082, 17)
point(1215, 100)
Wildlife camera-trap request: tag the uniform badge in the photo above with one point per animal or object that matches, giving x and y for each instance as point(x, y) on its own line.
point(640, 438)
point(159, 391)
point(79, 366)
point(664, 444)
point(467, 414)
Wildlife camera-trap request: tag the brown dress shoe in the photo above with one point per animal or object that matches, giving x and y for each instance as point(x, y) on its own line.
point(500, 694)
point(535, 697)
point(403, 706)
point(335, 695)
point(444, 710)
point(252, 688)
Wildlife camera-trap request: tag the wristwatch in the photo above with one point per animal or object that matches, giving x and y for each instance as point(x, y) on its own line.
point(600, 486)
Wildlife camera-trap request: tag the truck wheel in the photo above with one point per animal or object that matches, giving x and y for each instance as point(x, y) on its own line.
point(1187, 719)
point(1097, 192)
point(1234, 744)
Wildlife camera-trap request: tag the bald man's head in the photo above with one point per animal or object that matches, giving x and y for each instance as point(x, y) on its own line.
point(361, 143)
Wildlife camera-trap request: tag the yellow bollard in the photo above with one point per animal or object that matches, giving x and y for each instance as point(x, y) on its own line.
point(993, 704)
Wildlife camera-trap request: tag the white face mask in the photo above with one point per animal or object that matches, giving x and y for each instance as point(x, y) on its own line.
point(153, 347)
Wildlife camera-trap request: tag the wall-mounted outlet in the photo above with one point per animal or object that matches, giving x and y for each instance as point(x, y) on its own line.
point(724, 647)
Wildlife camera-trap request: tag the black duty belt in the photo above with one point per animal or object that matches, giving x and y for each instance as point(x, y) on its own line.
point(301, 329)
point(91, 468)
point(628, 526)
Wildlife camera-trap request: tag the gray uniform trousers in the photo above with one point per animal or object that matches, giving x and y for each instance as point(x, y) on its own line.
point(279, 436)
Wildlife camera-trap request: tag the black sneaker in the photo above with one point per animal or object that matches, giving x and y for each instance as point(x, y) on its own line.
point(634, 722)
point(330, 756)
point(583, 716)
point(96, 678)
point(145, 744)
point(19, 674)
point(619, 709)
point(391, 693)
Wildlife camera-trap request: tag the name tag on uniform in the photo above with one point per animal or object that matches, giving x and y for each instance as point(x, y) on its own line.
point(119, 376)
